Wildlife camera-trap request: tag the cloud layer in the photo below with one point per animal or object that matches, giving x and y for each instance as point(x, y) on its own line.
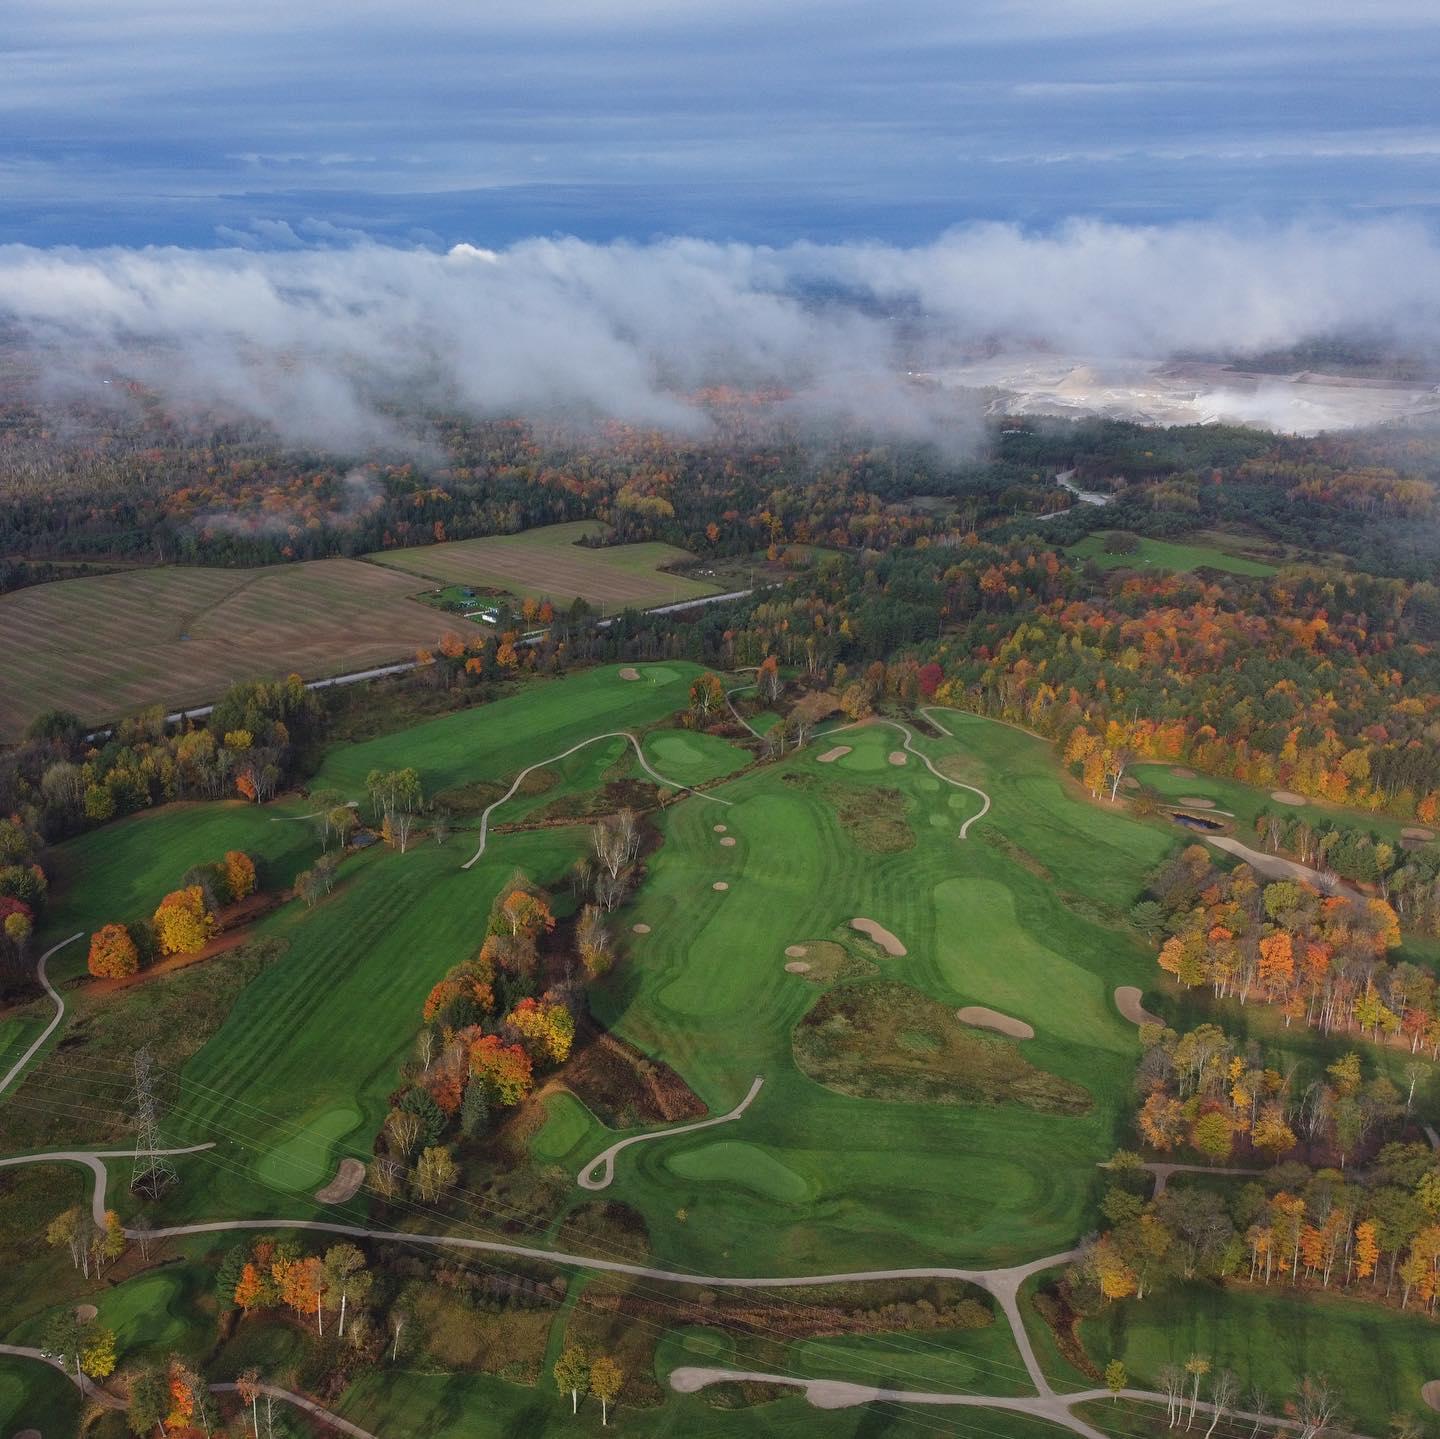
point(311, 339)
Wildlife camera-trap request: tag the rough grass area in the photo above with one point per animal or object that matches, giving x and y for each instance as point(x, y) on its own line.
point(1165, 555)
point(108, 644)
point(888, 1041)
point(874, 817)
point(548, 563)
point(830, 962)
point(78, 1090)
point(1378, 1358)
point(500, 1340)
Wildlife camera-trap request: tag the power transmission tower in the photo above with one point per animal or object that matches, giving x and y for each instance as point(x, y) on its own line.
point(152, 1173)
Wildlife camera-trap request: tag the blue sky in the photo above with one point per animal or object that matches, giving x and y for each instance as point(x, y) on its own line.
point(278, 125)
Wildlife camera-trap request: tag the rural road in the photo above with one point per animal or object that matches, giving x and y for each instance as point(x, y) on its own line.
point(49, 1028)
point(556, 758)
point(605, 1161)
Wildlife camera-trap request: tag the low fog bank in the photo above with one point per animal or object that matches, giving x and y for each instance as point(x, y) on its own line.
point(323, 344)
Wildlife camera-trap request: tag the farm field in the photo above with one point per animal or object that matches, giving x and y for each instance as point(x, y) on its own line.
point(105, 645)
point(1167, 555)
point(547, 563)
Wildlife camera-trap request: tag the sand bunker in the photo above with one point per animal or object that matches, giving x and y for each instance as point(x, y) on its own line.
point(28, 1434)
point(831, 755)
point(640, 929)
point(983, 1018)
point(1423, 835)
point(1191, 802)
point(1127, 1001)
point(629, 673)
point(797, 966)
point(1180, 772)
point(348, 1179)
point(880, 935)
point(728, 840)
point(898, 756)
point(719, 884)
point(1130, 782)
point(796, 951)
point(86, 1312)
point(721, 828)
point(1287, 796)
point(1430, 1393)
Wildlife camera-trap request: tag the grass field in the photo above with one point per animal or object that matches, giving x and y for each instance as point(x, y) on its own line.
point(825, 1180)
point(1376, 1357)
point(547, 563)
point(35, 1396)
point(109, 644)
point(1166, 555)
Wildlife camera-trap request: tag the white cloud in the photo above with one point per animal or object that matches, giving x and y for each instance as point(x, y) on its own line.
point(309, 338)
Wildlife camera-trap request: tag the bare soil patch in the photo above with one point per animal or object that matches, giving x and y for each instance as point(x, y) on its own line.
point(1287, 796)
point(640, 929)
point(898, 756)
point(348, 1179)
point(1415, 832)
point(629, 673)
point(728, 841)
point(888, 1041)
point(720, 884)
point(797, 966)
point(796, 951)
point(1191, 801)
point(831, 755)
point(1127, 1001)
point(882, 936)
point(983, 1018)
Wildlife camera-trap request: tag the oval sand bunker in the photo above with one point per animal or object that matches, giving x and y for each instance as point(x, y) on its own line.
point(880, 935)
point(983, 1018)
point(86, 1312)
point(728, 841)
point(1430, 1393)
point(796, 951)
point(721, 828)
point(629, 673)
point(640, 929)
point(898, 756)
point(1191, 801)
point(719, 884)
point(831, 755)
point(345, 1185)
point(797, 966)
point(1287, 796)
point(1127, 1001)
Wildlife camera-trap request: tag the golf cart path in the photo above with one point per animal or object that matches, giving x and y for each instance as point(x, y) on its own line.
point(1274, 866)
point(605, 1161)
point(740, 689)
point(82, 1382)
point(325, 1416)
point(55, 1020)
point(924, 759)
point(556, 758)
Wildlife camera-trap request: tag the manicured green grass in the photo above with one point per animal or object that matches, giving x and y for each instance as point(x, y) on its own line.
point(567, 1122)
point(1377, 1358)
point(693, 758)
point(36, 1396)
point(707, 991)
point(548, 563)
point(303, 1160)
point(734, 1163)
point(1165, 555)
point(496, 741)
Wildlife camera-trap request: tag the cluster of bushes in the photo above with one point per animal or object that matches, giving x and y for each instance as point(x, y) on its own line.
point(183, 922)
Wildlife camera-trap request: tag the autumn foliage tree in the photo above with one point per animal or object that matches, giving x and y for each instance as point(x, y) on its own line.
point(113, 953)
point(239, 872)
point(503, 1069)
point(183, 925)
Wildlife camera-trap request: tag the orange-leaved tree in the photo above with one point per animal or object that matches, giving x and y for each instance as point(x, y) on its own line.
point(182, 923)
point(503, 1069)
point(239, 870)
point(113, 954)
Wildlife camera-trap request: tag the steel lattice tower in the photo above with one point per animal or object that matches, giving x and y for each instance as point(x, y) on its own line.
point(152, 1172)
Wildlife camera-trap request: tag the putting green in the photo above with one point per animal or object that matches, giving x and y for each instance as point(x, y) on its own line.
point(693, 758)
point(303, 1160)
point(566, 1123)
point(150, 1311)
point(869, 750)
point(734, 1162)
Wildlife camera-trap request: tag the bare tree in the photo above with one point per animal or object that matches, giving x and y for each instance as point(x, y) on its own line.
point(1197, 1366)
point(1223, 1395)
point(1259, 1402)
point(1172, 1381)
point(403, 1129)
point(1317, 1403)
